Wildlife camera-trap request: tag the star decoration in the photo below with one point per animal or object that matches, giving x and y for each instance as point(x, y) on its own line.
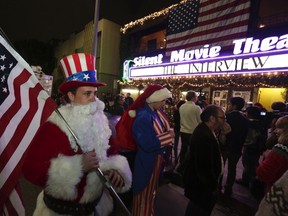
point(4, 90)
point(86, 77)
point(2, 57)
point(3, 79)
point(2, 67)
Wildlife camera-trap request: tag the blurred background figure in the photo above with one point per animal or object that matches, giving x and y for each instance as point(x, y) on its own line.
point(128, 100)
point(176, 119)
point(189, 119)
point(118, 106)
point(276, 162)
point(253, 146)
point(235, 139)
point(203, 168)
point(278, 106)
point(260, 106)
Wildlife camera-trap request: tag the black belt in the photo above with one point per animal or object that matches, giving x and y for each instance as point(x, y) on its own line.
point(69, 207)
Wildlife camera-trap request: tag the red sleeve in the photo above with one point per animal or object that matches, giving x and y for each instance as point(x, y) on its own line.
point(48, 143)
point(272, 168)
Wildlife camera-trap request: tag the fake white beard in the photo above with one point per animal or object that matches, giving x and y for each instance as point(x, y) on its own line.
point(90, 125)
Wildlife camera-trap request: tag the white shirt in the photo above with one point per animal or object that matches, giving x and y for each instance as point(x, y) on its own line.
point(189, 117)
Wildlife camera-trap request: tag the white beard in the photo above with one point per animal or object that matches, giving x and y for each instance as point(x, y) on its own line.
point(90, 125)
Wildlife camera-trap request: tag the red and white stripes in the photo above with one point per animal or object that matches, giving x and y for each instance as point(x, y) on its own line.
point(77, 63)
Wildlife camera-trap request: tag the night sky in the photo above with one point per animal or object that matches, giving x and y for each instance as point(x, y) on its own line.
point(57, 19)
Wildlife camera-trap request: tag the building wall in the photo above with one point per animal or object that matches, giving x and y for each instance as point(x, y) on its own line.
point(267, 96)
point(108, 55)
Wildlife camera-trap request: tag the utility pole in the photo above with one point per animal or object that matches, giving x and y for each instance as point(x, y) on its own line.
point(96, 19)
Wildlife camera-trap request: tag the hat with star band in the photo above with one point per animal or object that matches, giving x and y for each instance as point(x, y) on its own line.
point(79, 70)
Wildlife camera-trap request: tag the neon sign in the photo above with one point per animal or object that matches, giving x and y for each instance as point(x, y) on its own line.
point(249, 56)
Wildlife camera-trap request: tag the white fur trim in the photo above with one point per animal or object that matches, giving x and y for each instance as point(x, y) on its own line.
point(159, 95)
point(93, 188)
point(132, 113)
point(64, 174)
point(105, 205)
point(119, 163)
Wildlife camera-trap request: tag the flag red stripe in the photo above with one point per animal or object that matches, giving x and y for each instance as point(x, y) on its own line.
point(22, 127)
point(10, 209)
point(13, 109)
point(219, 39)
point(221, 7)
point(10, 184)
point(49, 107)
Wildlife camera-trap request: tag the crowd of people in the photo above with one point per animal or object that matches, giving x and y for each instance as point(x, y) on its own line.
point(116, 105)
point(250, 133)
point(78, 145)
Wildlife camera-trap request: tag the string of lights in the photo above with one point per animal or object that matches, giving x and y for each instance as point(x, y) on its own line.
point(269, 80)
point(149, 17)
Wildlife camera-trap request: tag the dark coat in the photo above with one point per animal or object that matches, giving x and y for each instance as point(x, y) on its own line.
point(204, 166)
point(239, 128)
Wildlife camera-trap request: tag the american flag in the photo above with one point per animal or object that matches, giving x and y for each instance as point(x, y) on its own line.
point(195, 23)
point(24, 106)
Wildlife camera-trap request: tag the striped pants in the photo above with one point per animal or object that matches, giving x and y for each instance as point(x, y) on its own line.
point(144, 202)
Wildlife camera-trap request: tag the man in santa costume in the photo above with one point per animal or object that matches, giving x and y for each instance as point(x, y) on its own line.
point(145, 128)
point(65, 167)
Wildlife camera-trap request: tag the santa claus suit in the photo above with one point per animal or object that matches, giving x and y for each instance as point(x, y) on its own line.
point(54, 162)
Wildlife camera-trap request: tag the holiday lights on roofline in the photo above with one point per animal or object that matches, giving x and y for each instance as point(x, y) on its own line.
point(149, 17)
point(270, 80)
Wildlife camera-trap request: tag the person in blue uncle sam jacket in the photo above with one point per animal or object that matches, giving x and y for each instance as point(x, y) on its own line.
point(150, 131)
point(64, 167)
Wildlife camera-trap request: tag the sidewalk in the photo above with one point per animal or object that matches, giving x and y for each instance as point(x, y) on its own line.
point(171, 200)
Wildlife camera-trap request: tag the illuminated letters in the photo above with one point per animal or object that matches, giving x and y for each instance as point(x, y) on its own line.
point(204, 52)
point(249, 45)
point(144, 61)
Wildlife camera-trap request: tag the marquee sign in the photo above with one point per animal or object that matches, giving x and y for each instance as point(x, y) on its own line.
point(249, 56)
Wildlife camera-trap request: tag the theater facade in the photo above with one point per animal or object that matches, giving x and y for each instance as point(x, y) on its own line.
point(254, 66)
point(255, 69)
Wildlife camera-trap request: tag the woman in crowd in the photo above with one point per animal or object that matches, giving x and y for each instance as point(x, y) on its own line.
point(276, 162)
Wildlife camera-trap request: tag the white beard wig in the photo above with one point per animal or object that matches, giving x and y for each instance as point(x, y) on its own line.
point(90, 125)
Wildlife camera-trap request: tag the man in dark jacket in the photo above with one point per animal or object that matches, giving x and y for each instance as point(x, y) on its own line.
point(203, 167)
point(235, 139)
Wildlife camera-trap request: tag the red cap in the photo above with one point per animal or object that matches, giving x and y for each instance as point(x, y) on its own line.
point(124, 137)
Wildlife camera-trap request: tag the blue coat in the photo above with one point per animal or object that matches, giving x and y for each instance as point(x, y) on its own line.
point(148, 147)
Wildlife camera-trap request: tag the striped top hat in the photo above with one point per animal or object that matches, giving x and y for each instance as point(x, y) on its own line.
point(79, 70)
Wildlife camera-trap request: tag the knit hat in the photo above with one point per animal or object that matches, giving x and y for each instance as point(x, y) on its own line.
point(124, 137)
point(79, 70)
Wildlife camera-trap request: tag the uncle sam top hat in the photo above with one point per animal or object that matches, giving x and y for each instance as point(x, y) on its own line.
point(79, 70)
